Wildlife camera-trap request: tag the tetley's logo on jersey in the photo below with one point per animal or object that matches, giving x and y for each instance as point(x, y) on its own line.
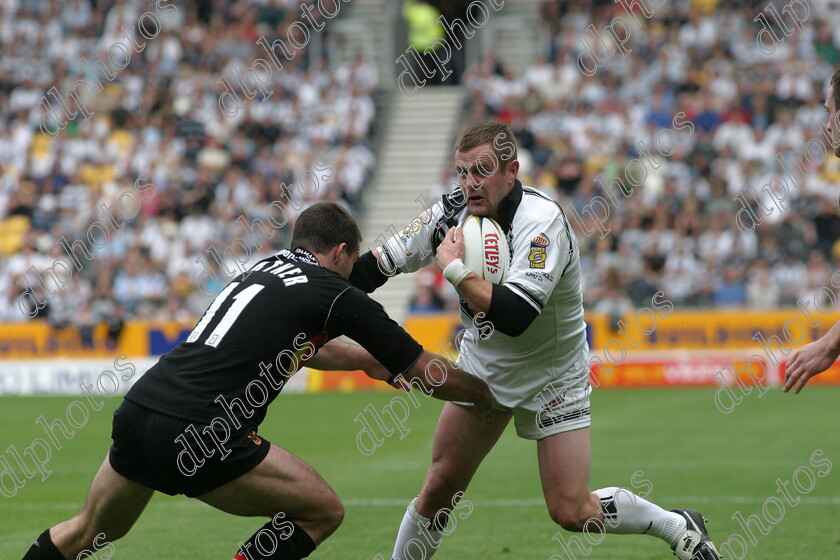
point(538, 246)
point(491, 252)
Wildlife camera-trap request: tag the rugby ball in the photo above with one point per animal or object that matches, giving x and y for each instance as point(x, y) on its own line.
point(485, 248)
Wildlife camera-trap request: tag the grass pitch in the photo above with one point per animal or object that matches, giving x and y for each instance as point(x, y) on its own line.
point(689, 454)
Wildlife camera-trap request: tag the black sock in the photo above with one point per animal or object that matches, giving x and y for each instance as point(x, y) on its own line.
point(43, 549)
point(277, 540)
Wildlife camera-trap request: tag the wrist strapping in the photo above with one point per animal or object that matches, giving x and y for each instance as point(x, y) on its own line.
point(455, 272)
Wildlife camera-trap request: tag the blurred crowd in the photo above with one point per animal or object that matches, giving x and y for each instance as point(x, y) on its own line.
point(155, 197)
point(152, 198)
point(747, 114)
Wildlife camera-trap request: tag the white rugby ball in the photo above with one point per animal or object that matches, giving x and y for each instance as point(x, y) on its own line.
point(485, 248)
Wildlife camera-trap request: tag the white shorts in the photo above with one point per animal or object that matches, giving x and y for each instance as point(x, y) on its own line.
point(561, 406)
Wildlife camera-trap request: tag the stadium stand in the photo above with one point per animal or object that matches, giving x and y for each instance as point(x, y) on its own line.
point(155, 133)
point(677, 231)
point(158, 120)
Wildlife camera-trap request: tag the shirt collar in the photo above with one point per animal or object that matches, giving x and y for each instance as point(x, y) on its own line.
point(509, 204)
point(301, 255)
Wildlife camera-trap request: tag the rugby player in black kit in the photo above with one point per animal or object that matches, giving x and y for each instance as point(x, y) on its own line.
point(189, 425)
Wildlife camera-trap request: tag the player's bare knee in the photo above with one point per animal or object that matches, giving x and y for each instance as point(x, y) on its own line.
point(329, 518)
point(439, 492)
point(335, 515)
point(568, 516)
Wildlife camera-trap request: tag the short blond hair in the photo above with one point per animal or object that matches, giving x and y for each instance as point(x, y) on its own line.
point(497, 135)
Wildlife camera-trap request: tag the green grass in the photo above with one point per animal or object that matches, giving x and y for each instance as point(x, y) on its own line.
point(692, 454)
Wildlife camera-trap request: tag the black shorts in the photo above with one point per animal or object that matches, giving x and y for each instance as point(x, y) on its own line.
point(176, 456)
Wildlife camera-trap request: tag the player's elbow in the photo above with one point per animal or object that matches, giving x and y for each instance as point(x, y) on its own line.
point(509, 314)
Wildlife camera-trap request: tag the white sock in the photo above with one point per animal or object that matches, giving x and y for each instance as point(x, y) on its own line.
point(416, 539)
point(626, 513)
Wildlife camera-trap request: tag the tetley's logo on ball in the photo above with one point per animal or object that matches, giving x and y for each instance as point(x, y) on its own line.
point(491, 252)
point(538, 247)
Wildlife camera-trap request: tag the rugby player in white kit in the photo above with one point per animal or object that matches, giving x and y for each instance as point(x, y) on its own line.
point(526, 338)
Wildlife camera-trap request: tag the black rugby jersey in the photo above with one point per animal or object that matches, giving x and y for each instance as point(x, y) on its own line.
point(261, 329)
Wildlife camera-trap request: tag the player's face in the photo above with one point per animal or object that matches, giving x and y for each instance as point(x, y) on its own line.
point(833, 124)
point(483, 181)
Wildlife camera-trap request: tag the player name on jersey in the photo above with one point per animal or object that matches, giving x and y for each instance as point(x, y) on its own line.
point(282, 270)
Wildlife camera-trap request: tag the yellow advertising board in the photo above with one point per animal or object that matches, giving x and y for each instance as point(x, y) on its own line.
point(666, 329)
point(719, 330)
point(662, 346)
point(38, 340)
point(662, 329)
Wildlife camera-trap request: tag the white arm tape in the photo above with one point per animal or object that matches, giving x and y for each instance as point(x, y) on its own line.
point(455, 272)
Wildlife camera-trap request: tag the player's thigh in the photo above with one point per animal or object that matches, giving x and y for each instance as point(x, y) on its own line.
point(565, 460)
point(463, 437)
point(112, 506)
point(462, 440)
point(281, 482)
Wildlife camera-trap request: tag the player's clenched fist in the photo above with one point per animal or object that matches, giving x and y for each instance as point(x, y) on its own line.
point(452, 248)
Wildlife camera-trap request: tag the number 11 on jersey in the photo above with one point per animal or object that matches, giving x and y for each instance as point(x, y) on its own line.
point(240, 301)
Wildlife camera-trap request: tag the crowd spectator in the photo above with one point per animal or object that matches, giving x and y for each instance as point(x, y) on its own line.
point(750, 114)
point(429, 285)
point(161, 196)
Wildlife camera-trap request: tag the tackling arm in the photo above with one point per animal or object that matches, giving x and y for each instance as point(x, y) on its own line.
point(355, 314)
point(443, 380)
point(338, 355)
point(432, 373)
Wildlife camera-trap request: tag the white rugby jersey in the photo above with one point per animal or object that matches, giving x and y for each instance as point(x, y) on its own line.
point(544, 271)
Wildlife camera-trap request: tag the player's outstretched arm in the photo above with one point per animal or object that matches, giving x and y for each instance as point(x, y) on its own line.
point(363, 320)
point(336, 355)
point(435, 375)
point(812, 359)
point(410, 249)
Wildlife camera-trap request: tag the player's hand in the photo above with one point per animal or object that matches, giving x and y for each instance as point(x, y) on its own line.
point(808, 361)
point(451, 248)
point(484, 404)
